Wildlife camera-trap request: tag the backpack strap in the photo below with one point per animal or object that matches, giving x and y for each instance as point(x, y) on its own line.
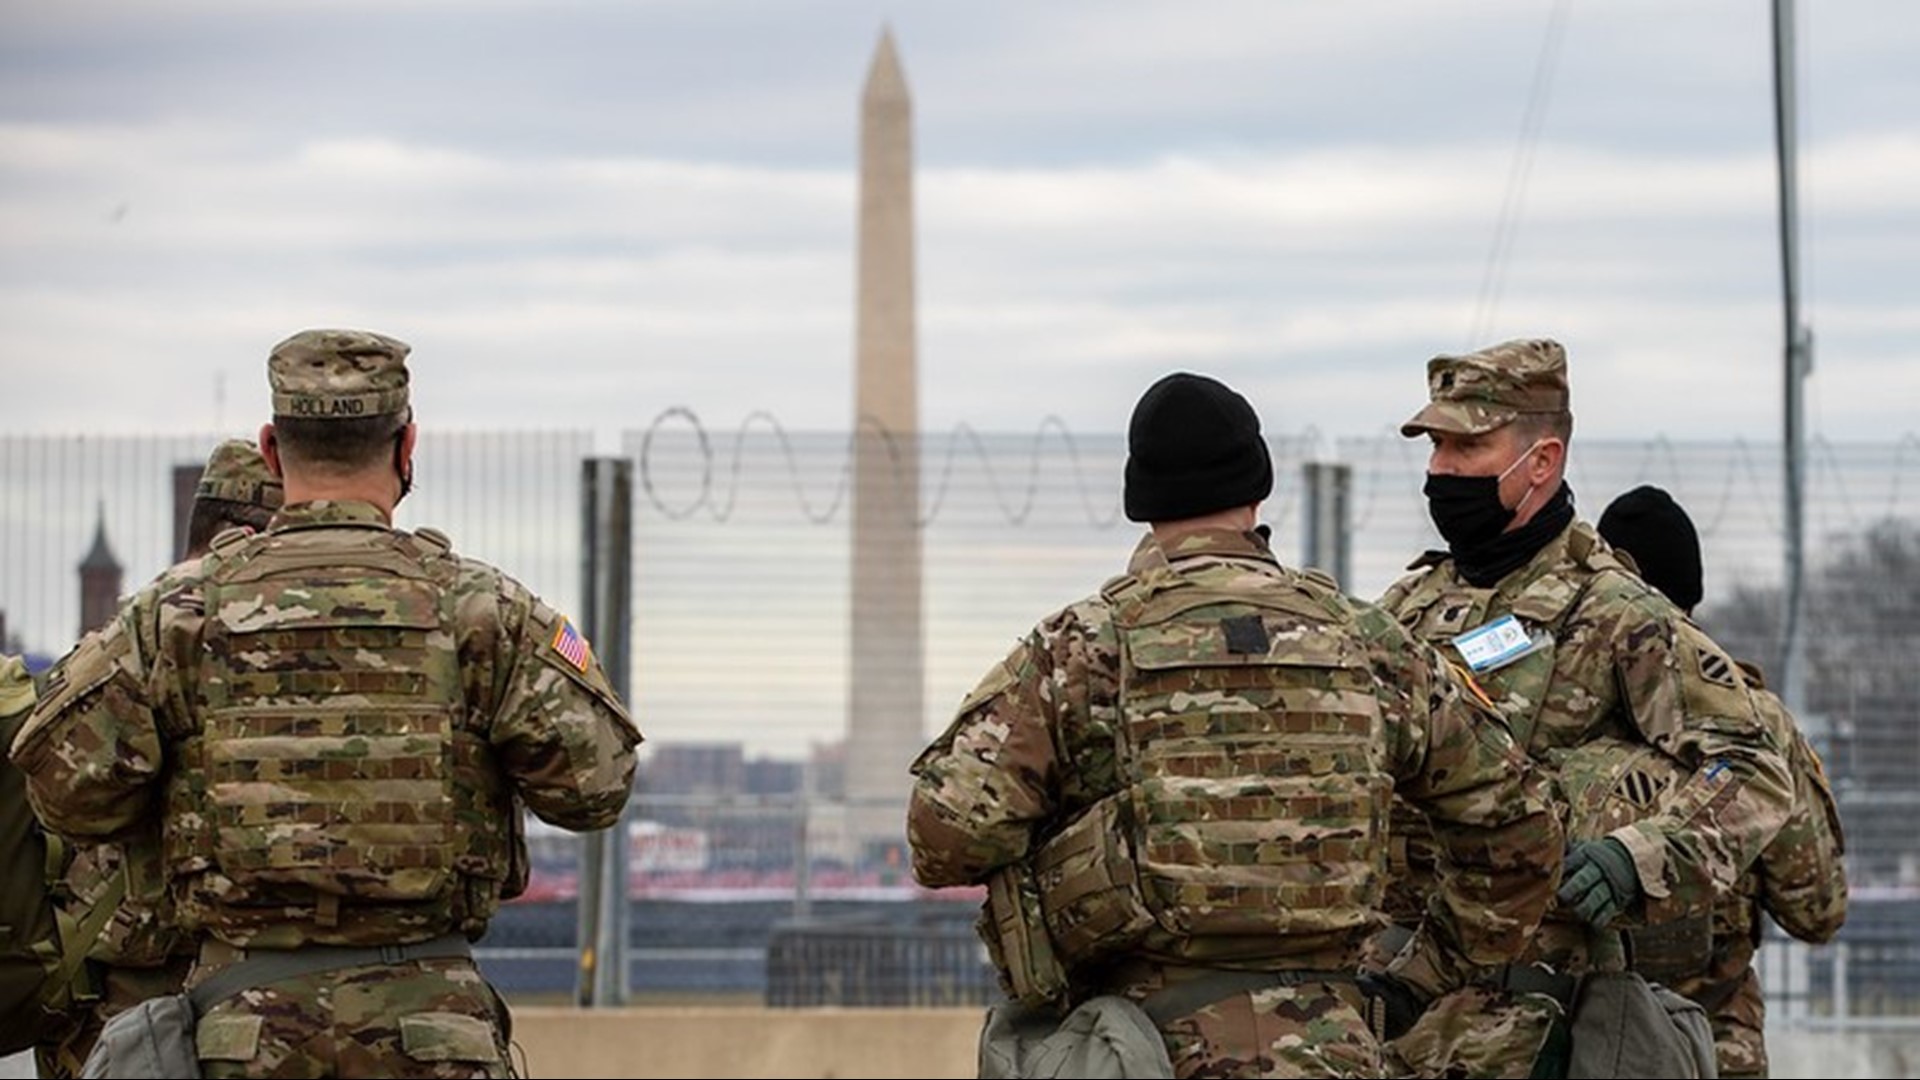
point(86, 930)
point(267, 966)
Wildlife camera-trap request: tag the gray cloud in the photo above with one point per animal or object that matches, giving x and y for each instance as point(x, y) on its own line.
point(584, 213)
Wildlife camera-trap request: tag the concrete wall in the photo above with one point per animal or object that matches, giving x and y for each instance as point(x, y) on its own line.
point(661, 1041)
point(669, 1041)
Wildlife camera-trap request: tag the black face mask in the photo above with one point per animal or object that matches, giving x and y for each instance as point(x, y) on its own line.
point(1466, 509)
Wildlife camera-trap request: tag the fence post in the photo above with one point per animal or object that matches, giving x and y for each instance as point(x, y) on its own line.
point(1326, 542)
point(606, 580)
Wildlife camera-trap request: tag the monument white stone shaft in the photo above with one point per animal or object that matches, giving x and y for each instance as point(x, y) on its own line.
point(886, 654)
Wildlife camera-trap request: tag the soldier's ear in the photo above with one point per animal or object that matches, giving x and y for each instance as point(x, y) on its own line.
point(1552, 452)
point(270, 449)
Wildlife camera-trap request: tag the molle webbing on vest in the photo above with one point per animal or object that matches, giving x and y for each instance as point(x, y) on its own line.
point(333, 767)
point(1255, 787)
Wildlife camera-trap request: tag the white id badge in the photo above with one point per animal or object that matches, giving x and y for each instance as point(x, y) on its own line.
point(1496, 644)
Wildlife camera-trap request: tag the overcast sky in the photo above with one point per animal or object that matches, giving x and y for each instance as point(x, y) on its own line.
point(582, 214)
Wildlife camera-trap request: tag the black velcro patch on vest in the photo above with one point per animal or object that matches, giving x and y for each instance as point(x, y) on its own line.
point(1718, 670)
point(1246, 635)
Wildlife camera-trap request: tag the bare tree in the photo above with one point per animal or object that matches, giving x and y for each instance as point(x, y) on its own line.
point(1862, 698)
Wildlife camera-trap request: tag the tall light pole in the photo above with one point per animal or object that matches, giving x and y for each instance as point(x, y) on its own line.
point(1799, 362)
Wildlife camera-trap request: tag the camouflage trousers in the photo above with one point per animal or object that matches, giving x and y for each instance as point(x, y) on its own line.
point(1739, 1021)
point(1477, 1032)
point(1311, 1028)
point(419, 1018)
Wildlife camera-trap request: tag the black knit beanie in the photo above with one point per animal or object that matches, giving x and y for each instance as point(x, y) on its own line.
point(1193, 447)
point(1647, 524)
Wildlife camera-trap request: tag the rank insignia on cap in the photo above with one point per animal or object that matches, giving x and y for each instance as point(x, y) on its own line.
point(571, 646)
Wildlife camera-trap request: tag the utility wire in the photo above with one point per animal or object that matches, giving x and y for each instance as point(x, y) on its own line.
point(1507, 226)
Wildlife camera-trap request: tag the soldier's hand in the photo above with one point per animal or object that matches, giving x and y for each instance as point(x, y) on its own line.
point(1395, 1006)
point(1599, 881)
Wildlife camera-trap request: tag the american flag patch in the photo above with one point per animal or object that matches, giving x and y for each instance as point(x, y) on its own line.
point(569, 644)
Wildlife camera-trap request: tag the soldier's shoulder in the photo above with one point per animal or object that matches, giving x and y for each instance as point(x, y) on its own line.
point(480, 576)
point(1088, 612)
point(1407, 585)
point(1375, 620)
point(1612, 588)
point(182, 585)
point(184, 573)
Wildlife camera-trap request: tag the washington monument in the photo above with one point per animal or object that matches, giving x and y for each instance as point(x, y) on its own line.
point(884, 703)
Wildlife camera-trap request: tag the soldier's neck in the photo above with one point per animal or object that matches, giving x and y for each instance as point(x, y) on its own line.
point(1238, 518)
point(379, 487)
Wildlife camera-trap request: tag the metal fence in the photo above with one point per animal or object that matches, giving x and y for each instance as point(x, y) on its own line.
point(741, 627)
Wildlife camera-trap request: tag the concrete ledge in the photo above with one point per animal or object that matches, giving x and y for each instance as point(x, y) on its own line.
point(677, 1041)
point(752, 1041)
point(1890, 1049)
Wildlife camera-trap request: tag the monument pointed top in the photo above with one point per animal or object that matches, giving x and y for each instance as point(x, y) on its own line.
point(885, 80)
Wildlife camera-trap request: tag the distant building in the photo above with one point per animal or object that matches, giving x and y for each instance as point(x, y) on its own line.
point(774, 776)
point(695, 768)
point(100, 575)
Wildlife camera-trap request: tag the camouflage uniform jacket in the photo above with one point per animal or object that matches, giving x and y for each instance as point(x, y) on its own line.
point(1800, 879)
point(1034, 745)
point(140, 953)
point(1802, 874)
point(1613, 658)
point(122, 710)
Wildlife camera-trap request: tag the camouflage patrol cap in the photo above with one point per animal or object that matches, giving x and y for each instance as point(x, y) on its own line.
point(1480, 391)
point(237, 473)
point(338, 375)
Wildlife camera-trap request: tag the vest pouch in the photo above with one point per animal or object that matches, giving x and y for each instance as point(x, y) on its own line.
point(1088, 888)
point(1672, 952)
point(1015, 933)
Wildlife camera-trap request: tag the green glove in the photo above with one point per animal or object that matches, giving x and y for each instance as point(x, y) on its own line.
point(1599, 881)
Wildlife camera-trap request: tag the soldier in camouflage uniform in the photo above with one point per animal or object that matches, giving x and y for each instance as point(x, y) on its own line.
point(23, 916)
point(338, 723)
point(1571, 646)
point(139, 953)
point(1223, 733)
point(1801, 876)
point(236, 490)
